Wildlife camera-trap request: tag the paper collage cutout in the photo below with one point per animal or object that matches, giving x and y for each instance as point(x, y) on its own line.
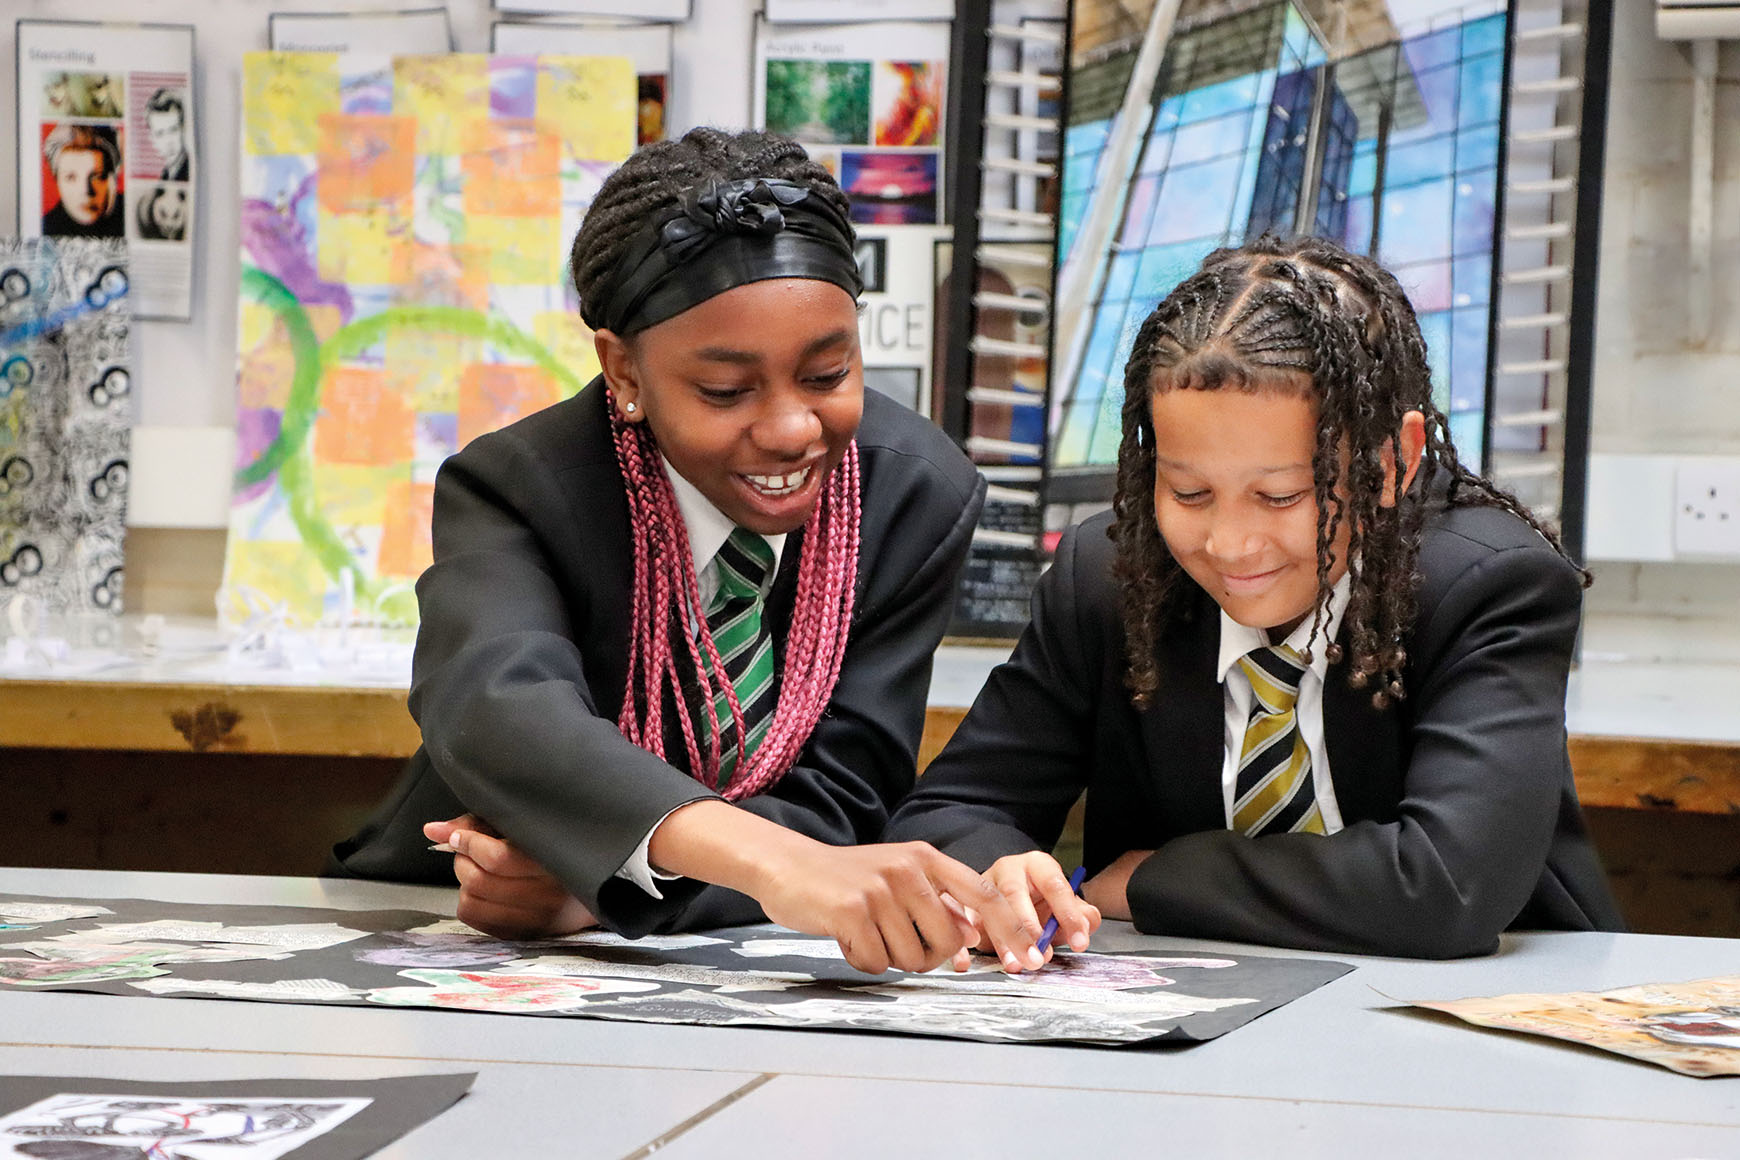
point(760, 976)
point(65, 423)
point(1692, 1027)
point(405, 228)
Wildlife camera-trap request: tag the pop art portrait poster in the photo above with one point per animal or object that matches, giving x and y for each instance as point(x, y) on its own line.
point(404, 234)
point(106, 120)
point(868, 102)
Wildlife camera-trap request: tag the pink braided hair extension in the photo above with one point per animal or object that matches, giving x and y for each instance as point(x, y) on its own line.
point(815, 643)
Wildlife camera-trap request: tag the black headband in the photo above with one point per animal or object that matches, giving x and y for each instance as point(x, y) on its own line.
point(726, 235)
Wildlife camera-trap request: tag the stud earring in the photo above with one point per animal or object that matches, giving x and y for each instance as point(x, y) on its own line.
point(628, 408)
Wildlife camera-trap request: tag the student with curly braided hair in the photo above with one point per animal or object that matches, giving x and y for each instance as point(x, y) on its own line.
point(677, 638)
point(1309, 669)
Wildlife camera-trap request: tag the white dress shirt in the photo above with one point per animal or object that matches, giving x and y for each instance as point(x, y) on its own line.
point(1235, 641)
point(708, 529)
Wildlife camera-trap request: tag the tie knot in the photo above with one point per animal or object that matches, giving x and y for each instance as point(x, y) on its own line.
point(1274, 672)
point(745, 564)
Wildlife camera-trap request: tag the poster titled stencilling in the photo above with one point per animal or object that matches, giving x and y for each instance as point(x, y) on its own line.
point(867, 101)
point(106, 119)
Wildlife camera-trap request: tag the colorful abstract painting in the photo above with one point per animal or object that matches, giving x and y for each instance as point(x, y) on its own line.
point(65, 421)
point(404, 236)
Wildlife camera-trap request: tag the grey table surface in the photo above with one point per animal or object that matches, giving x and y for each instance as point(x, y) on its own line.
point(1341, 1072)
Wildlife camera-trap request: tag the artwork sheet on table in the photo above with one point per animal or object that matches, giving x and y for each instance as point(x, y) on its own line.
point(1691, 1027)
point(760, 976)
point(107, 121)
point(413, 31)
point(65, 429)
point(404, 236)
point(647, 46)
point(255, 1119)
point(868, 102)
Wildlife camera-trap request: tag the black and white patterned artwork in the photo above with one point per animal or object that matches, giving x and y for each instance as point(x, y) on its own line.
point(65, 419)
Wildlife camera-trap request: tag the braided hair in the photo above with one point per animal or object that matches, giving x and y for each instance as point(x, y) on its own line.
point(668, 635)
point(1300, 316)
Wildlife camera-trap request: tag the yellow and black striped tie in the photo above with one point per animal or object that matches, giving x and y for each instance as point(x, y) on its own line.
point(1273, 793)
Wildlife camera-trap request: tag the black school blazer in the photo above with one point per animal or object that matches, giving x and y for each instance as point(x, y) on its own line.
point(521, 660)
point(1461, 816)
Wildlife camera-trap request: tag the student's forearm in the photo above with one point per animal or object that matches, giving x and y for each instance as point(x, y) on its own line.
point(713, 841)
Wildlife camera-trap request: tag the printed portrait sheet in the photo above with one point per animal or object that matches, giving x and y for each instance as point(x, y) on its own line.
point(1691, 1027)
point(630, 9)
point(868, 102)
point(834, 11)
point(413, 31)
point(759, 976)
point(91, 1118)
point(65, 428)
point(647, 46)
point(405, 225)
point(106, 131)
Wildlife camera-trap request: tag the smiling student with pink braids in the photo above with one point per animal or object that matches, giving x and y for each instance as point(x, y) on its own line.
point(723, 537)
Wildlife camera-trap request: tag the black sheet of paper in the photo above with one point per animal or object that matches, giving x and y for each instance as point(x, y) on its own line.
point(747, 976)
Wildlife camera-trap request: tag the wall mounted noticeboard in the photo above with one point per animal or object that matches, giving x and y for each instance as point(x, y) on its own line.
point(107, 120)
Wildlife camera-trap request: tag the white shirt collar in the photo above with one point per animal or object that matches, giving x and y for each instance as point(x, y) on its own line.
point(708, 527)
point(1237, 639)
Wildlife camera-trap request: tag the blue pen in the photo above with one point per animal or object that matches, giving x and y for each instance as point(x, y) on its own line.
point(1050, 931)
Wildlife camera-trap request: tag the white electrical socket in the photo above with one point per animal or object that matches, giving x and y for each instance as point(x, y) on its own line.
point(1707, 507)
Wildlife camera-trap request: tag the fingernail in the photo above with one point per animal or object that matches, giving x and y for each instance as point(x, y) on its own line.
point(1035, 957)
point(1010, 961)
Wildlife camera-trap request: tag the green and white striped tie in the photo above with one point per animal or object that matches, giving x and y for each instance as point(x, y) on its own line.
point(745, 571)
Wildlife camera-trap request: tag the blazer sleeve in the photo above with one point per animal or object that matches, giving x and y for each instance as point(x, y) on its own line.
point(1480, 797)
point(1018, 762)
point(500, 692)
point(863, 754)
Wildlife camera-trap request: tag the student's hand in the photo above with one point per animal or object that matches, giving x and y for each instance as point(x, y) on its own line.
point(894, 905)
point(1037, 890)
point(1108, 889)
point(503, 892)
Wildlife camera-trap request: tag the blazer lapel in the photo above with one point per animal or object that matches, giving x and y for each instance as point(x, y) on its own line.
point(1184, 727)
point(1364, 745)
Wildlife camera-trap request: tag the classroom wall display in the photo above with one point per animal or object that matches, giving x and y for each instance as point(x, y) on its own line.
point(835, 11)
point(107, 120)
point(1690, 1027)
point(255, 1119)
point(405, 229)
point(413, 31)
point(631, 9)
point(1379, 130)
point(754, 976)
point(868, 101)
point(65, 420)
point(897, 311)
point(648, 46)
